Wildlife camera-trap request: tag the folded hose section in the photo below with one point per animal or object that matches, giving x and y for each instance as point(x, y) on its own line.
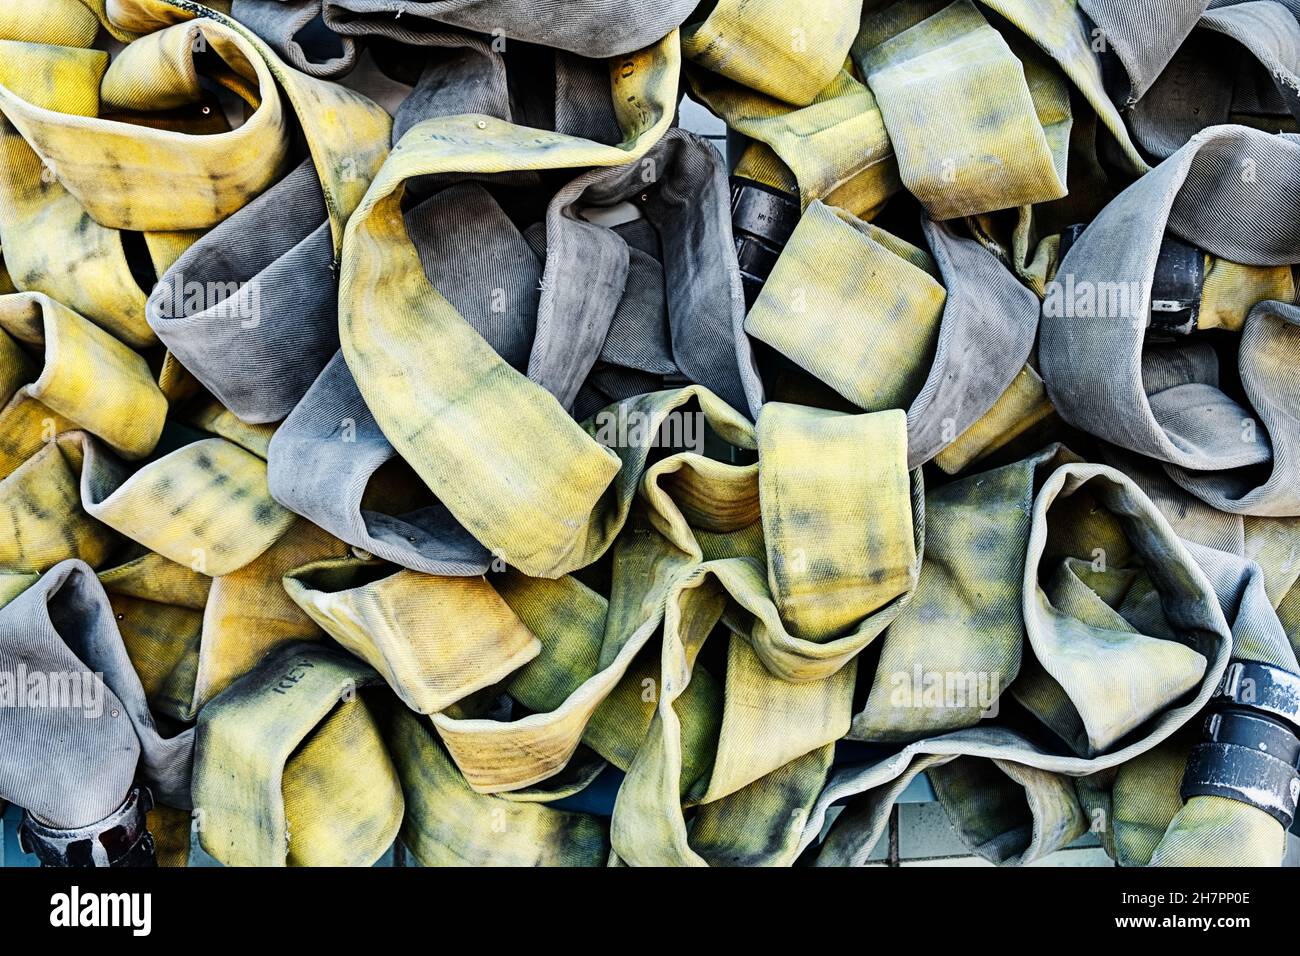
point(411, 433)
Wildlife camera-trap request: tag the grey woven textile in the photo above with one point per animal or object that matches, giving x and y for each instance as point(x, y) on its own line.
point(297, 31)
point(251, 307)
point(1142, 37)
point(1164, 402)
point(599, 29)
point(321, 461)
point(987, 331)
point(80, 689)
point(1238, 65)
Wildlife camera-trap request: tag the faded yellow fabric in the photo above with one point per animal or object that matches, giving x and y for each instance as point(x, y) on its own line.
point(970, 582)
point(52, 244)
point(1056, 27)
point(836, 148)
point(1150, 660)
point(1274, 544)
point(321, 788)
point(1050, 39)
point(190, 635)
point(89, 380)
point(60, 23)
point(1137, 568)
point(772, 725)
point(171, 835)
point(448, 824)
point(42, 521)
point(463, 402)
point(988, 801)
point(248, 614)
point(760, 164)
point(151, 577)
point(1020, 408)
point(157, 180)
point(834, 490)
point(974, 563)
point(14, 583)
point(583, 684)
point(1288, 612)
point(145, 16)
point(854, 306)
point(766, 724)
point(159, 608)
point(1208, 830)
point(66, 76)
point(65, 499)
point(214, 533)
point(291, 769)
point(1006, 123)
point(345, 132)
point(499, 756)
point(571, 622)
point(27, 422)
point(1018, 238)
point(1102, 707)
point(56, 246)
point(1131, 806)
point(177, 382)
point(576, 697)
point(208, 415)
point(1231, 290)
point(163, 643)
point(789, 49)
point(434, 639)
point(761, 824)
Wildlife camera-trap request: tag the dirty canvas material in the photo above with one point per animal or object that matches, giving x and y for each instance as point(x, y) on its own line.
point(411, 435)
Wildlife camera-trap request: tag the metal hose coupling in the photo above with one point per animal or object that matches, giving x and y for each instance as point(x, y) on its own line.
point(1250, 751)
point(762, 220)
point(120, 839)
